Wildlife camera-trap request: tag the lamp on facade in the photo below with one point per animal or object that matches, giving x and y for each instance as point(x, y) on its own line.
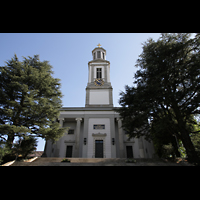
point(85, 141)
point(113, 141)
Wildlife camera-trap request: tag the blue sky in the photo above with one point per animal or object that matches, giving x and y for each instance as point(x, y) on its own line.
point(69, 54)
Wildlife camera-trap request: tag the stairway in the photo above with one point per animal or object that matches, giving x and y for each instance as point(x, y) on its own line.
point(52, 161)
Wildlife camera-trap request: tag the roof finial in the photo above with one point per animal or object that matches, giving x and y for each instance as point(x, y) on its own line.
point(99, 45)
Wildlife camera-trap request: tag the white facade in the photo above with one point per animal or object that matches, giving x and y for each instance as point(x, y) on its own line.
point(96, 130)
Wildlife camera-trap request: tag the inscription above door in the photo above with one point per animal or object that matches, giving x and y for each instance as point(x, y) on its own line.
point(99, 126)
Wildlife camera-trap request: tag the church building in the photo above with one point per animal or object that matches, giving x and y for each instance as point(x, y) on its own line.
point(95, 131)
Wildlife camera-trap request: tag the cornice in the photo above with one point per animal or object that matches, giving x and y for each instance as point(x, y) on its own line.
point(98, 48)
point(98, 60)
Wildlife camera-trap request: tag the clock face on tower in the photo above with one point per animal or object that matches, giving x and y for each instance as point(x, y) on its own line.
point(98, 82)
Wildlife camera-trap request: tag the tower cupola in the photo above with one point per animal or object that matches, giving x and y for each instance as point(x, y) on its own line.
point(99, 53)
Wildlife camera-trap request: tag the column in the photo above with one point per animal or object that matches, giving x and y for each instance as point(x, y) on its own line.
point(78, 129)
point(61, 122)
point(58, 142)
point(141, 147)
point(121, 138)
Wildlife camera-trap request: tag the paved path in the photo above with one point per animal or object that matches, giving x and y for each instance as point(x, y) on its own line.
point(97, 162)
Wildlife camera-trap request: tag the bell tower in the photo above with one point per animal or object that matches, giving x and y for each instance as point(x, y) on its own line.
point(99, 89)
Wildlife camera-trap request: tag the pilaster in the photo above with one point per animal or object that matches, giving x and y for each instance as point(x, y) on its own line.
point(113, 135)
point(59, 142)
point(85, 135)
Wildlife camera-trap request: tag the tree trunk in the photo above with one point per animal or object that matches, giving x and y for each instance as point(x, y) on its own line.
point(190, 149)
point(175, 145)
point(185, 137)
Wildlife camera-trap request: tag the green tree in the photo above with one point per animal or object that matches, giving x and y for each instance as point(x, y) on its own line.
point(30, 99)
point(163, 134)
point(25, 146)
point(4, 150)
point(195, 137)
point(162, 137)
point(167, 82)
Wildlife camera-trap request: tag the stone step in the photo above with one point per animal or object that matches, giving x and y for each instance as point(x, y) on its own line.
point(52, 161)
point(79, 160)
point(95, 160)
point(73, 161)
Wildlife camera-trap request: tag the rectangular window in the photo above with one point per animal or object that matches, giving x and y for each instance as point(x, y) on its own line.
point(103, 55)
point(99, 75)
point(71, 131)
point(98, 54)
point(94, 56)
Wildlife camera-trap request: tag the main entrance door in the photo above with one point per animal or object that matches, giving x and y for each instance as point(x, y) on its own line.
point(98, 148)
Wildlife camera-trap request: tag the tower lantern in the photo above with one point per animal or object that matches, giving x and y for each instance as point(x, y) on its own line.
point(99, 53)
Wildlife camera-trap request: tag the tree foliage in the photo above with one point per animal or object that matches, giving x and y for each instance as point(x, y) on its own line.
point(166, 89)
point(163, 139)
point(25, 146)
point(30, 99)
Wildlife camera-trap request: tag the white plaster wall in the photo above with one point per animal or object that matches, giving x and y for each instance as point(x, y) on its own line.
point(106, 139)
point(99, 97)
point(148, 149)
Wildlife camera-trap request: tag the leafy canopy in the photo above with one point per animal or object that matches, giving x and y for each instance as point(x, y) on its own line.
point(30, 99)
point(167, 86)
